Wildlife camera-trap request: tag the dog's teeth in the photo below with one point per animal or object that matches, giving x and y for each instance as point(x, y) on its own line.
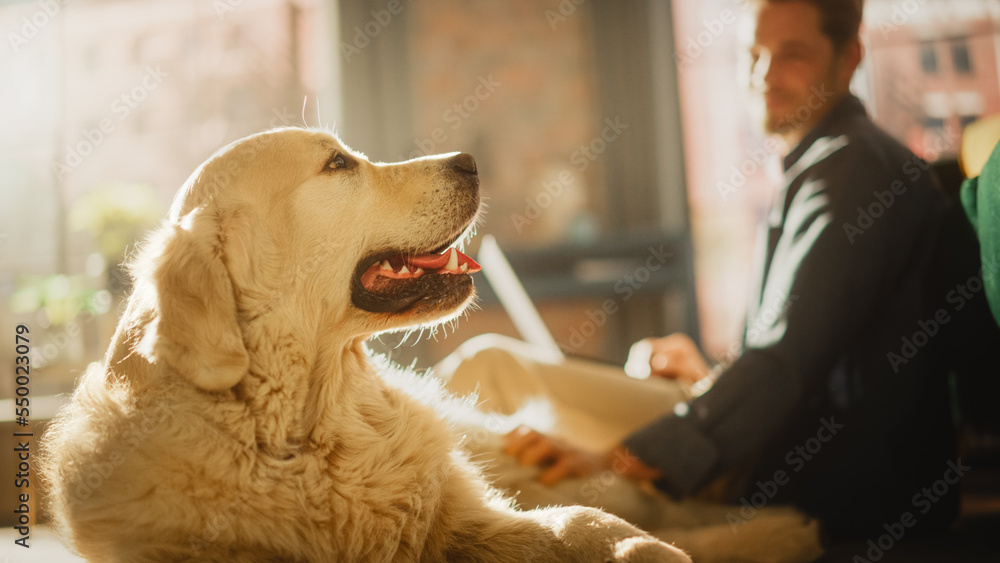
point(465, 267)
point(418, 271)
point(452, 261)
point(404, 270)
point(386, 265)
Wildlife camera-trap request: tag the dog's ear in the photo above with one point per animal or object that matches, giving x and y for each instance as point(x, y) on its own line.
point(195, 330)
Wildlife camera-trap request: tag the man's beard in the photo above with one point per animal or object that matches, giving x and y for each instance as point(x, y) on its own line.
point(795, 115)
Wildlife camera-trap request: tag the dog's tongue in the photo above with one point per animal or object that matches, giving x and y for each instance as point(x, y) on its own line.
point(448, 262)
point(399, 267)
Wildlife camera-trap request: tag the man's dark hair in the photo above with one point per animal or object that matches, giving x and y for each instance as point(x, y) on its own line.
point(839, 19)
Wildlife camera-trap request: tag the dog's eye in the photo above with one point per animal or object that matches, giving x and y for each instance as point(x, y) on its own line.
point(336, 162)
point(339, 161)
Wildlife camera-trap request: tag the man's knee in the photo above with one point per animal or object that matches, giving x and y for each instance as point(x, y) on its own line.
point(479, 358)
point(493, 345)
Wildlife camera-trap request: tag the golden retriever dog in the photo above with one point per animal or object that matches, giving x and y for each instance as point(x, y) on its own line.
point(238, 416)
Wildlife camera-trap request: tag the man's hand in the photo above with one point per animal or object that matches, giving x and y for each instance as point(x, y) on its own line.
point(674, 357)
point(557, 459)
point(560, 460)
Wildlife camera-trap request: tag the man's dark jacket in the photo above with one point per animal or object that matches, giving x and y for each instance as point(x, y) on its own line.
point(838, 402)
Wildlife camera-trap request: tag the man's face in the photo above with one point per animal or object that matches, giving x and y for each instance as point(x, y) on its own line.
point(794, 73)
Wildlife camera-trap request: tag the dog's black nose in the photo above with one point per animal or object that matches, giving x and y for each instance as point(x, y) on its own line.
point(463, 162)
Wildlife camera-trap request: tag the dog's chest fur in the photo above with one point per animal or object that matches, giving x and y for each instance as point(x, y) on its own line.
point(368, 473)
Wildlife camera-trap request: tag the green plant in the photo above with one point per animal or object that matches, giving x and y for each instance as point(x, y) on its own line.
point(116, 215)
point(59, 297)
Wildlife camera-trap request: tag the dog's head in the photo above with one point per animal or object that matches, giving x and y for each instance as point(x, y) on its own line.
point(293, 222)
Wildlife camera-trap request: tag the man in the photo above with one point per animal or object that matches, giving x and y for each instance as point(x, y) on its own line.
point(836, 404)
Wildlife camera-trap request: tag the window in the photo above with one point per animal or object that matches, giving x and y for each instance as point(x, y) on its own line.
point(110, 95)
point(960, 56)
point(928, 58)
point(933, 122)
point(923, 77)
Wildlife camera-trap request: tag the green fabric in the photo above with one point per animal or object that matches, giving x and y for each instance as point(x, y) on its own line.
point(981, 200)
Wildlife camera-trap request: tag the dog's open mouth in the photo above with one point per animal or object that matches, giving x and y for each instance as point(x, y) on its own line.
point(391, 282)
point(400, 267)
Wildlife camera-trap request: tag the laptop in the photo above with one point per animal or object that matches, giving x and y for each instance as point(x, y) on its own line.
point(513, 297)
point(525, 316)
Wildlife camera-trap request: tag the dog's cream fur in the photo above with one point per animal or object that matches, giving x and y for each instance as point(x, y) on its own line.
point(237, 415)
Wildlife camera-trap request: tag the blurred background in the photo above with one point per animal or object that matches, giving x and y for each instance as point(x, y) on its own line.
point(617, 159)
point(610, 136)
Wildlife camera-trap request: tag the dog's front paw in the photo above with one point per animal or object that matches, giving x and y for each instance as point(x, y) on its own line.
point(591, 535)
